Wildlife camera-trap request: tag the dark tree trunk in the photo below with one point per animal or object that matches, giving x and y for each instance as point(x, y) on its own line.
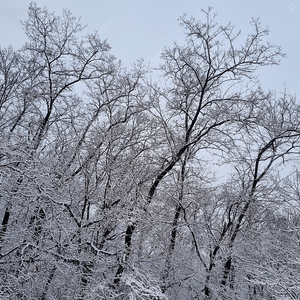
point(128, 240)
point(4, 226)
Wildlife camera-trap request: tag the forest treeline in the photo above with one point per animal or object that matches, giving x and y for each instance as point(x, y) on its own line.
point(113, 186)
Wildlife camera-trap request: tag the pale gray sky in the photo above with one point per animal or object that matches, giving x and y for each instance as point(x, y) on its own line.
point(142, 28)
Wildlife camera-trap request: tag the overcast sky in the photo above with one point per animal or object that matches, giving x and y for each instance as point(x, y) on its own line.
point(142, 28)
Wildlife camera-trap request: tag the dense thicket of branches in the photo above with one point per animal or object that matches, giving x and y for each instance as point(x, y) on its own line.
point(111, 187)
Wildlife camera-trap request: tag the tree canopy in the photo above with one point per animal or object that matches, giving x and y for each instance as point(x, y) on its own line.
point(113, 186)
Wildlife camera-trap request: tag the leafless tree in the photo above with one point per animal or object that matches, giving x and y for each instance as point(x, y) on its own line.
point(110, 183)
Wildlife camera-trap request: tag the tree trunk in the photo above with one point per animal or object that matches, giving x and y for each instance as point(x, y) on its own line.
point(4, 226)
